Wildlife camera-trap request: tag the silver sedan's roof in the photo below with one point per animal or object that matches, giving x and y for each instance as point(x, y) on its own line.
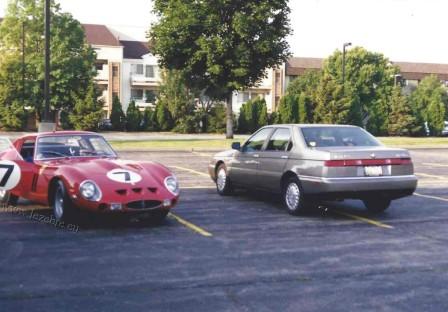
point(310, 125)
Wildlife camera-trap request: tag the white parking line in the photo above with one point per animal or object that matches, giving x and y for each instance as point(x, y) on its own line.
point(191, 170)
point(431, 197)
point(425, 175)
point(435, 165)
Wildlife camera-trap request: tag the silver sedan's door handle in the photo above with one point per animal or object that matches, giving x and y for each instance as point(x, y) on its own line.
point(285, 157)
point(256, 155)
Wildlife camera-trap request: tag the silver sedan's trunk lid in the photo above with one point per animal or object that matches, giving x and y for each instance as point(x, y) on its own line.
point(366, 161)
point(359, 152)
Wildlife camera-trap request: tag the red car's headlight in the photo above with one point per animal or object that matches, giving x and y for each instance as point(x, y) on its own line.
point(90, 191)
point(172, 185)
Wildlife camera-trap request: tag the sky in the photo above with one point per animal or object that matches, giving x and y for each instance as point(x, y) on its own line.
point(403, 30)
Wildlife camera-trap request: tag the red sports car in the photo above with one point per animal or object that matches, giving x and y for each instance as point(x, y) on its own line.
point(72, 171)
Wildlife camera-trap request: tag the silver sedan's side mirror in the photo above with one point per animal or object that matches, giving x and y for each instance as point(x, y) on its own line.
point(236, 146)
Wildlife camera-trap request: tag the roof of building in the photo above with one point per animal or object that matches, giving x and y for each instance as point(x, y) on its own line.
point(417, 71)
point(298, 65)
point(134, 49)
point(100, 35)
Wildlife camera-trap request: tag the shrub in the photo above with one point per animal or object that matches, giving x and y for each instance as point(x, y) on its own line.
point(253, 115)
point(133, 117)
point(88, 110)
point(117, 117)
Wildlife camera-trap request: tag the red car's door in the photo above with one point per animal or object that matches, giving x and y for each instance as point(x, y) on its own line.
point(31, 171)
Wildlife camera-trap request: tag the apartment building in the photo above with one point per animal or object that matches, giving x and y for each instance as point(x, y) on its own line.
point(125, 68)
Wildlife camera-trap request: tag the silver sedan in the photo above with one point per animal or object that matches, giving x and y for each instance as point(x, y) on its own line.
point(312, 163)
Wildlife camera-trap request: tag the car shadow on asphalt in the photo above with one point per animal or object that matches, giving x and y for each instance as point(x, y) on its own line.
point(322, 210)
point(88, 221)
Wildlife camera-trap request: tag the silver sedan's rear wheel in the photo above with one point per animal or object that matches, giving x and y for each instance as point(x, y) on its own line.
point(293, 196)
point(377, 205)
point(223, 183)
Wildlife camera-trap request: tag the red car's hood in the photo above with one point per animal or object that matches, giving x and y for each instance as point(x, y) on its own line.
point(115, 172)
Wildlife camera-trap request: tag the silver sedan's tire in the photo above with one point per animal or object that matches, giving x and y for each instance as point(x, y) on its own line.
point(223, 183)
point(377, 205)
point(293, 196)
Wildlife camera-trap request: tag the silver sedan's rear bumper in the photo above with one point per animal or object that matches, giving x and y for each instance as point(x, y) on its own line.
point(314, 185)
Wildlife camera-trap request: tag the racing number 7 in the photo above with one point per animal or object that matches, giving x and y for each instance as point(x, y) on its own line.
point(9, 170)
point(127, 175)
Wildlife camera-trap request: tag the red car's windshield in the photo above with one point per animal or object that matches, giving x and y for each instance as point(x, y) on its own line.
point(62, 146)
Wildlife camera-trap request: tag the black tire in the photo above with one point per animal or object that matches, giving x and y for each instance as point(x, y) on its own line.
point(294, 197)
point(8, 199)
point(223, 184)
point(377, 205)
point(61, 204)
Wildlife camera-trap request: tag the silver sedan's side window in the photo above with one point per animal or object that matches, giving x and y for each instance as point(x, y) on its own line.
point(280, 141)
point(255, 143)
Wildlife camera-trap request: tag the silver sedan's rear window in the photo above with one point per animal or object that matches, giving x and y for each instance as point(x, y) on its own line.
point(337, 137)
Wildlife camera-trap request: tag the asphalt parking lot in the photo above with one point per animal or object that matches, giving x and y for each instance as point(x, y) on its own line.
point(240, 253)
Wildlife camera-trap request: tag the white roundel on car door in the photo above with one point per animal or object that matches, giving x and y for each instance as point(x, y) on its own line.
point(124, 176)
point(9, 175)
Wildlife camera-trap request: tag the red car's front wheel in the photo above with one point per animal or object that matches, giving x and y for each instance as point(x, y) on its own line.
point(61, 203)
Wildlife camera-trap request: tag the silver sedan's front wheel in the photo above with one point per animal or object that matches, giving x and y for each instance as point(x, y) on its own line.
point(223, 183)
point(293, 196)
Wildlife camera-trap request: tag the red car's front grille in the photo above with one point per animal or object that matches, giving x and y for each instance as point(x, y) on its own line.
point(144, 204)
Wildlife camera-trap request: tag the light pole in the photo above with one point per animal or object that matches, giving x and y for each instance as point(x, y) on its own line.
point(23, 62)
point(344, 46)
point(47, 61)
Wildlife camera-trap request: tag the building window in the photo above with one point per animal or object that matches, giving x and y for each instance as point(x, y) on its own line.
point(137, 69)
point(136, 94)
point(150, 71)
point(243, 97)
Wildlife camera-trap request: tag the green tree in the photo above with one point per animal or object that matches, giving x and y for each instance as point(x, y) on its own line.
point(117, 117)
point(217, 119)
point(429, 103)
point(88, 110)
point(298, 105)
point(288, 110)
point(401, 120)
point(253, 115)
point(133, 117)
point(163, 117)
point(180, 102)
point(13, 117)
point(336, 104)
point(72, 60)
point(370, 77)
point(149, 122)
point(221, 46)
